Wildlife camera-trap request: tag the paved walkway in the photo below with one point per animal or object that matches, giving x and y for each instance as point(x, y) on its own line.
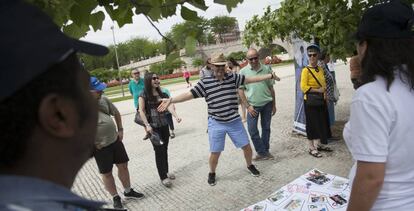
point(188, 157)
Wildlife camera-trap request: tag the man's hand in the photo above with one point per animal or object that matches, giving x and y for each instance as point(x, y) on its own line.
point(120, 135)
point(251, 111)
point(275, 77)
point(178, 119)
point(274, 110)
point(164, 104)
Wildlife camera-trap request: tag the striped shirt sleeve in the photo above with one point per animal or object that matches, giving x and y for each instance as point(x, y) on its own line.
point(239, 80)
point(199, 90)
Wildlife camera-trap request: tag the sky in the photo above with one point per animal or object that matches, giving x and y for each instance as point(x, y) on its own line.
point(142, 28)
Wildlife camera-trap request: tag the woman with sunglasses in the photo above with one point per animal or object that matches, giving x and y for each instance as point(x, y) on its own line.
point(317, 119)
point(156, 122)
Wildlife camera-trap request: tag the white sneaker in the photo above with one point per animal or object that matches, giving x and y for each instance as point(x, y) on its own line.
point(166, 182)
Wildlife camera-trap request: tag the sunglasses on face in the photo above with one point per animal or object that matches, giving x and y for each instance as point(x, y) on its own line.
point(312, 55)
point(137, 73)
point(253, 58)
point(155, 78)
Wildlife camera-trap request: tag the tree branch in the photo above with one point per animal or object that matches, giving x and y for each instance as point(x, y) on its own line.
point(159, 32)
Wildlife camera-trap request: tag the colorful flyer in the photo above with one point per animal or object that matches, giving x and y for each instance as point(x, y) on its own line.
point(279, 196)
point(294, 205)
point(317, 207)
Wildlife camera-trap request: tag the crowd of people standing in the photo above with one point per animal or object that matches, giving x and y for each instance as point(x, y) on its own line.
point(52, 124)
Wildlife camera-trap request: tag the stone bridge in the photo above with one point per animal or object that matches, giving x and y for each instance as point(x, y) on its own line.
point(206, 51)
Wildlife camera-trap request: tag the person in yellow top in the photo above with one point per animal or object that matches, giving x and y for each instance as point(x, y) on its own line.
point(317, 118)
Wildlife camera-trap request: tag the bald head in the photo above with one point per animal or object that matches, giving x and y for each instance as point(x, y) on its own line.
point(252, 52)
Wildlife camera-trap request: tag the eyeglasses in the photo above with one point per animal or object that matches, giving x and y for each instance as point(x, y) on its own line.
point(136, 73)
point(155, 78)
point(312, 55)
point(253, 58)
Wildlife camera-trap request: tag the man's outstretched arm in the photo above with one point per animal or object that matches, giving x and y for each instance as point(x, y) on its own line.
point(180, 98)
point(259, 78)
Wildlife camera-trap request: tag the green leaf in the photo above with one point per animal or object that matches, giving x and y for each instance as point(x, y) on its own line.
point(155, 13)
point(188, 14)
point(168, 11)
point(200, 4)
point(230, 4)
point(96, 20)
point(73, 30)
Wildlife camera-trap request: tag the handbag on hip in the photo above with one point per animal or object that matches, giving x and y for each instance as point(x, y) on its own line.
point(314, 98)
point(138, 119)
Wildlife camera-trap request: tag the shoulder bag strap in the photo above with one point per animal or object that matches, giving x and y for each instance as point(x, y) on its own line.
point(314, 76)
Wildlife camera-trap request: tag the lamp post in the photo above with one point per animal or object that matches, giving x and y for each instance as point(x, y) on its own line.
point(117, 62)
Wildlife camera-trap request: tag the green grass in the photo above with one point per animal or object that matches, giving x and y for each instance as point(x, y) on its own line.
point(290, 61)
point(121, 98)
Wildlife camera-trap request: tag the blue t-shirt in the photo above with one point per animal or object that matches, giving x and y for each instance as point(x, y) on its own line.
point(135, 89)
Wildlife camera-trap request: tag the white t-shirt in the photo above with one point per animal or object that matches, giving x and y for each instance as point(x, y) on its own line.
point(381, 130)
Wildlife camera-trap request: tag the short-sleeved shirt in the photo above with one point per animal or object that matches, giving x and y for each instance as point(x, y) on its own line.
point(155, 119)
point(221, 96)
point(29, 193)
point(258, 94)
point(380, 130)
point(307, 81)
point(107, 132)
point(135, 88)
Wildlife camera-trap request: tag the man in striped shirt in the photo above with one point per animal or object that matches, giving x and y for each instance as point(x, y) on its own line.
point(220, 93)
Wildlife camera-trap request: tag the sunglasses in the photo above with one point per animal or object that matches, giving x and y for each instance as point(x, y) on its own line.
point(253, 58)
point(155, 78)
point(137, 73)
point(312, 55)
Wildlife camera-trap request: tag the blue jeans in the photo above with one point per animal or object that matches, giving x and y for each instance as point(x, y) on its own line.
point(331, 111)
point(261, 144)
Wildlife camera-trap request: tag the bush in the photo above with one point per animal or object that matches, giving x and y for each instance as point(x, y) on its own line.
point(198, 62)
point(238, 56)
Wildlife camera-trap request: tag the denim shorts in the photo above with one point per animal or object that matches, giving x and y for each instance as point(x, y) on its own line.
point(217, 134)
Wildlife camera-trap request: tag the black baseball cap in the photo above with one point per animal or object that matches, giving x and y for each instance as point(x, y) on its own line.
point(30, 44)
point(390, 20)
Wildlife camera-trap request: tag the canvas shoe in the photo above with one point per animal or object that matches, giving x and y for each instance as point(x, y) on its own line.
point(211, 179)
point(253, 170)
point(117, 202)
point(133, 194)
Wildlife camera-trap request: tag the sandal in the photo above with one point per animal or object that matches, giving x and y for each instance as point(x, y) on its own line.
point(315, 153)
point(324, 148)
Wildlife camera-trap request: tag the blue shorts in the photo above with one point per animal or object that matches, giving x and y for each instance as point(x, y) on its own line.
point(217, 134)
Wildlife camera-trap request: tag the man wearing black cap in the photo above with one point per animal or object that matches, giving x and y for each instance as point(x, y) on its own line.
point(47, 114)
point(380, 130)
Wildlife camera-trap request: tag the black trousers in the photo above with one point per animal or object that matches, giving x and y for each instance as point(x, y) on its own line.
point(317, 123)
point(170, 121)
point(161, 152)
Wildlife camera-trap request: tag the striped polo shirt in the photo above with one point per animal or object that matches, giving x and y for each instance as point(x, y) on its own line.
point(221, 96)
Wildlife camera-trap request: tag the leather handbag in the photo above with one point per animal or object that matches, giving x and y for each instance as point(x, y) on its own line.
point(314, 98)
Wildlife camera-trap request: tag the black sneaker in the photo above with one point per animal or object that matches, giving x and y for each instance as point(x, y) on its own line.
point(133, 194)
point(211, 179)
point(117, 202)
point(253, 170)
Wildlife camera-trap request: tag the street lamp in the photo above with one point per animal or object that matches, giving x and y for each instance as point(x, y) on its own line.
point(117, 62)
